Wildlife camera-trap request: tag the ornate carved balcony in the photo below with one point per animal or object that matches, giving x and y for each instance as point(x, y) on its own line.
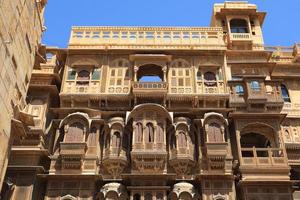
point(114, 160)
point(217, 154)
point(72, 154)
point(147, 38)
point(217, 149)
point(264, 161)
point(181, 160)
point(181, 154)
point(149, 88)
point(268, 94)
point(211, 87)
point(149, 157)
point(70, 87)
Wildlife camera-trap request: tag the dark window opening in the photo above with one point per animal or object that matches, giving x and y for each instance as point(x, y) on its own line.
point(285, 94)
point(256, 140)
point(83, 77)
point(255, 85)
point(210, 79)
point(239, 89)
point(239, 26)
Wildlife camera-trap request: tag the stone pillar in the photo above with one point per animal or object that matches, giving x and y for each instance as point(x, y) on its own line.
point(135, 70)
point(165, 73)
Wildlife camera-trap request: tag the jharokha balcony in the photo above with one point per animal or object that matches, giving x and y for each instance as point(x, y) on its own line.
point(256, 93)
point(114, 160)
point(181, 154)
point(114, 154)
point(72, 154)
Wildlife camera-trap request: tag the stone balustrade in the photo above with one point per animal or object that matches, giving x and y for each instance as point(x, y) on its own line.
point(147, 37)
point(263, 156)
point(240, 36)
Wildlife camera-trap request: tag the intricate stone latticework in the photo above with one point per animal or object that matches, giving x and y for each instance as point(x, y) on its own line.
point(157, 113)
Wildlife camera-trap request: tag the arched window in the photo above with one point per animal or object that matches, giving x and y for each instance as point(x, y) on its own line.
point(199, 75)
point(173, 142)
point(116, 140)
point(71, 74)
point(83, 77)
point(210, 79)
point(255, 85)
point(159, 196)
point(137, 197)
point(96, 74)
point(257, 140)
point(285, 94)
point(75, 133)
point(287, 136)
point(107, 141)
point(239, 26)
point(160, 133)
point(139, 132)
point(92, 140)
point(125, 141)
point(182, 140)
point(214, 133)
point(239, 89)
point(149, 133)
point(148, 196)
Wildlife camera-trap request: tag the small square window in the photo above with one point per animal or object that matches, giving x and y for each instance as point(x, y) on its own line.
point(187, 72)
point(71, 74)
point(180, 72)
point(180, 82)
point(173, 81)
point(119, 82)
point(112, 81)
point(96, 74)
point(173, 72)
point(112, 73)
point(187, 81)
point(120, 72)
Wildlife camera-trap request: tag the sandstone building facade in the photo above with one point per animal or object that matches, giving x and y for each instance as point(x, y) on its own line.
point(157, 113)
point(21, 27)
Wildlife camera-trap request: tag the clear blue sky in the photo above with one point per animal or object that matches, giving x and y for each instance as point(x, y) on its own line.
point(281, 27)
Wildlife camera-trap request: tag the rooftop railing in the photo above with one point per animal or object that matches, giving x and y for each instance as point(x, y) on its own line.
point(124, 37)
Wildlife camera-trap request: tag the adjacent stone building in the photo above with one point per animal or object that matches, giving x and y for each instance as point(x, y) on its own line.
point(21, 27)
point(157, 113)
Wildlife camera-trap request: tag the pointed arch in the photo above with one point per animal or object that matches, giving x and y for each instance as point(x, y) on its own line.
point(149, 133)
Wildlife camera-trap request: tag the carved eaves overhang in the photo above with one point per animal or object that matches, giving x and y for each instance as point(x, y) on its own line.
point(163, 57)
point(257, 116)
point(100, 96)
point(258, 67)
point(239, 8)
point(93, 113)
point(286, 70)
point(216, 175)
point(247, 56)
point(30, 157)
